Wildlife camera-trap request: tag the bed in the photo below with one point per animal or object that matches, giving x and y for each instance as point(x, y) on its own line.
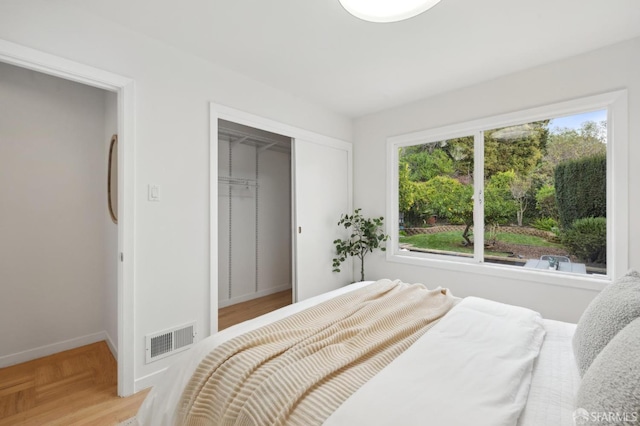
point(480, 362)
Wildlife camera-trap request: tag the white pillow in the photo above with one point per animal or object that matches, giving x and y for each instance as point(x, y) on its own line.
point(610, 389)
point(612, 310)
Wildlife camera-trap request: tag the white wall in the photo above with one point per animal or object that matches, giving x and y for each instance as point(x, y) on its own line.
point(254, 264)
point(608, 69)
point(110, 300)
point(172, 94)
point(53, 192)
point(275, 222)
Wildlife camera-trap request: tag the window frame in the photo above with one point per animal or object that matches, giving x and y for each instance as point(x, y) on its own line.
point(617, 191)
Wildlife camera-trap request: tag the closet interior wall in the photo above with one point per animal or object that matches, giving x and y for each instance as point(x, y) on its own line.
point(58, 245)
point(254, 214)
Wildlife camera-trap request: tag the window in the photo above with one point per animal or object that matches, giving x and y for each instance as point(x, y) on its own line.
point(533, 191)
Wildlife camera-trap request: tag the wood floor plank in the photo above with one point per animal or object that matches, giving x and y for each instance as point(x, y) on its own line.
point(16, 385)
point(235, 314)
point(72, 387)
point(17, 402)
point(78, 387)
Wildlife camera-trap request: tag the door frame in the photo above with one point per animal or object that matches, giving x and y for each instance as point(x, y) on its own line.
point(218, 111)
point(25, 57)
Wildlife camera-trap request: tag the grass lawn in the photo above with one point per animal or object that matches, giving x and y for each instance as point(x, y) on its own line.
point(452, 241)
point(529, 240)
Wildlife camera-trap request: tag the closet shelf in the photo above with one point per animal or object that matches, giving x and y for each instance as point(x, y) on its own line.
point(227, 180)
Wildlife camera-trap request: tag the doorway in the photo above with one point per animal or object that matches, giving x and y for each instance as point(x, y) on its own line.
point(320, 180)
point(31, 59)
point(254, 222)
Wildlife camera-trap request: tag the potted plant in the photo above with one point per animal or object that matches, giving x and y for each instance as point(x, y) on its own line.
point(366, 236)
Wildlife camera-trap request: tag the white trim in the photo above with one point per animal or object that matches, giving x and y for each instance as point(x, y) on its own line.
point(46, 63)
point(478, 196)
point(262, 123)
point(211, 326)
point(247, 297)
point(294, 235)
point(46, 350)
point(149, 380)
point(112, 346)
point(53, 65)
point(126, 238)
point(218, 111)
point(617, 194)
point(467, 128)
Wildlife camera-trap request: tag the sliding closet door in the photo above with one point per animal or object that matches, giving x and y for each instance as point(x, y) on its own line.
point(322, 188)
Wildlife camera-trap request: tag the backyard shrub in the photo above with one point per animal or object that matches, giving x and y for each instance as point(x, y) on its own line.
point(499, 206)
point(545, 223)
point(546, 202)
point(581, 189)
point(587, 239)
point(449, 199)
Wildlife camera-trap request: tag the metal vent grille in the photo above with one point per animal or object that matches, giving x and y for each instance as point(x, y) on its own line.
point(168, 342)
point(161, 344)
point(183, 337)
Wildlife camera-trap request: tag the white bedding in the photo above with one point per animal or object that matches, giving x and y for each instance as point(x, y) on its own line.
point(542, 408)
point(473, 367)
point(555, 380)
point(159, 406)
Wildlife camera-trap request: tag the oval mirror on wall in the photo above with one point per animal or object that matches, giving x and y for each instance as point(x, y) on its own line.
point(112, 179)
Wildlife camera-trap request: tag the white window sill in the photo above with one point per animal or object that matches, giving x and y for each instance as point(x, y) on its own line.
point(539, 276)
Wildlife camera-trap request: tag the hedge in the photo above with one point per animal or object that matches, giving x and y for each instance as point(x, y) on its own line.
point(581, 189)
point(587, 239)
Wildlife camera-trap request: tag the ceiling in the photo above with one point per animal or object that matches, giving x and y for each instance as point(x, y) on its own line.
point(315, 50)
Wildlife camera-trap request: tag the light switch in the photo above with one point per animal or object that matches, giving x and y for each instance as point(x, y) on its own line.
point(154, 192)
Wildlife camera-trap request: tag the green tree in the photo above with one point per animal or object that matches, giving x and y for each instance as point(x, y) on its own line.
point(546, 202)
point(461, 153)
point(520, 187)
point(406, 188)
point(518, 148)
point(452, 200)
point(425, 164)
point(412, 203)
point(437, 178)
point(499, 206)
point(571, 144)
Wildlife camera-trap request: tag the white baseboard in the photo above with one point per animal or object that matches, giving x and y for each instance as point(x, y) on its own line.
point(35, 353)
point(148, 381)
point(251, 296)
point(112, 346)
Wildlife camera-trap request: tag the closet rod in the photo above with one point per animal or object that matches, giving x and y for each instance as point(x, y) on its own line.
point(237, 181)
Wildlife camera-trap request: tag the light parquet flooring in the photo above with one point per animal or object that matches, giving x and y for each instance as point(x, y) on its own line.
point(75, 387)
point(79, 386)
point(250, 309)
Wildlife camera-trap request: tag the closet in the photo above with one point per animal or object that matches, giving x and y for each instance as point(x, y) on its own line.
point(279, 196)
point(254, 213)
point(58, 242)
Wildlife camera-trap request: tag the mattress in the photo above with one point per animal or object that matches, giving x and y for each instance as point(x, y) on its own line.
point(554, 379)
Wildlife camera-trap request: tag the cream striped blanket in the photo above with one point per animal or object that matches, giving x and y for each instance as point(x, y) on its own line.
point(298, 370)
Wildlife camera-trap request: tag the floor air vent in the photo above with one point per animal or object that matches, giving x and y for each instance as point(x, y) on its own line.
point(168, 342)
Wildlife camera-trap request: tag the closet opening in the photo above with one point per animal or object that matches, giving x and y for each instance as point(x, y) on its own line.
point(254, 222)
point(59, 252)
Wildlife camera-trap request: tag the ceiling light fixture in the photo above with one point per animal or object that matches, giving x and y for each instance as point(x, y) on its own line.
point(387, 10)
